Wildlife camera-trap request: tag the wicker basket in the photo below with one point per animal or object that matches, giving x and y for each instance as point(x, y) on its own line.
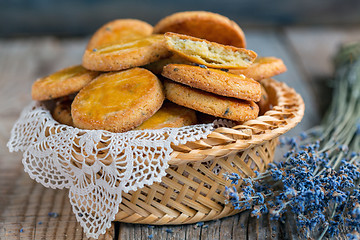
point(193, 189)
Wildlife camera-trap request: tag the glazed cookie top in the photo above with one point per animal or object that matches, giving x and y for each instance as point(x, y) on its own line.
point(206, 25)
point(208, 53)
point(170, 115)
point(120, 30)
point(118, 101)
point(62, 83)
point(124, 55)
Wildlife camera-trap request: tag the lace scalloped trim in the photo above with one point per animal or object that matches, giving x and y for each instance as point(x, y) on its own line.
point(97, 166)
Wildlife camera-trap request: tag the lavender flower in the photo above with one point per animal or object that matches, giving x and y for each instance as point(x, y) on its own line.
point(319, 178)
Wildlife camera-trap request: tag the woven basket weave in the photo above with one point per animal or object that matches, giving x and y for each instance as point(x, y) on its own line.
point(193, 189)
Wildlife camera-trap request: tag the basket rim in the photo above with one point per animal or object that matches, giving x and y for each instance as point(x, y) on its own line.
point(281, 118)
point(285, 114)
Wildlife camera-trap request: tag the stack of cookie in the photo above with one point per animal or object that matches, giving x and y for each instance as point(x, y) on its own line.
point(197, 60)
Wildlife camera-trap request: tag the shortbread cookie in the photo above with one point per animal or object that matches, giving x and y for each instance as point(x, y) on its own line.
point(157, 67)
point(62, 111)
point(210, 54)
point(120, 30)
point(206, 25)
point(62, 83)
point(263, 67)
point(170, 115)
point(209, 103)
point(118, 101)
point(214, 81)
point(126, 55)
point(264, 103)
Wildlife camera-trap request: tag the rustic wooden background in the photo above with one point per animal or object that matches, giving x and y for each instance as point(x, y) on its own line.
point(25, 205)
point(82, 17)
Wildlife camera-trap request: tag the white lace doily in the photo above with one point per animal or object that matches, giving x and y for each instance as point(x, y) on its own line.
point(97, 166)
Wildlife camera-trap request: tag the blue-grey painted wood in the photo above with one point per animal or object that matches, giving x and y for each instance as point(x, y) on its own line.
point(81, 17)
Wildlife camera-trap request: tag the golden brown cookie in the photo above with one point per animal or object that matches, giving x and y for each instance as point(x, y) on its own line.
point(264, 104)
point(126, 55)
point(206, 25)
point(263, 67)
point(157, 67)
point(214, 81)
point(210, 54)
point(120, 30)
point(209, 103)
point(62, 83)
point(170, 115)
point(62, 111)
point(118, 101)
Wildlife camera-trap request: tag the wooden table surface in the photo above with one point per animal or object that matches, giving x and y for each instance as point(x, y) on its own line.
point(25, 204)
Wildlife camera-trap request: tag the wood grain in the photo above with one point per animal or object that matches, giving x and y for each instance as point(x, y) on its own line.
point(25, 204)
point(26, 215)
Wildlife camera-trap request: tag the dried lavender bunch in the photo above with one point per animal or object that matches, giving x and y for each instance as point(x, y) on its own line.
point(319, 178)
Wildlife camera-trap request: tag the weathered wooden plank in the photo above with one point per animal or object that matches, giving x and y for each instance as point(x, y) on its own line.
point(240, 227)
point(27, 214)
point(227, 228)
point(131, 231)
point(138, 231)
point(253, 228)
point(212, 231)
point(274, 227)
point(264, 231)
point(289, 227)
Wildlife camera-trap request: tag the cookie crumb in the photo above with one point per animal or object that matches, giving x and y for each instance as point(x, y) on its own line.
point(53, 214)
